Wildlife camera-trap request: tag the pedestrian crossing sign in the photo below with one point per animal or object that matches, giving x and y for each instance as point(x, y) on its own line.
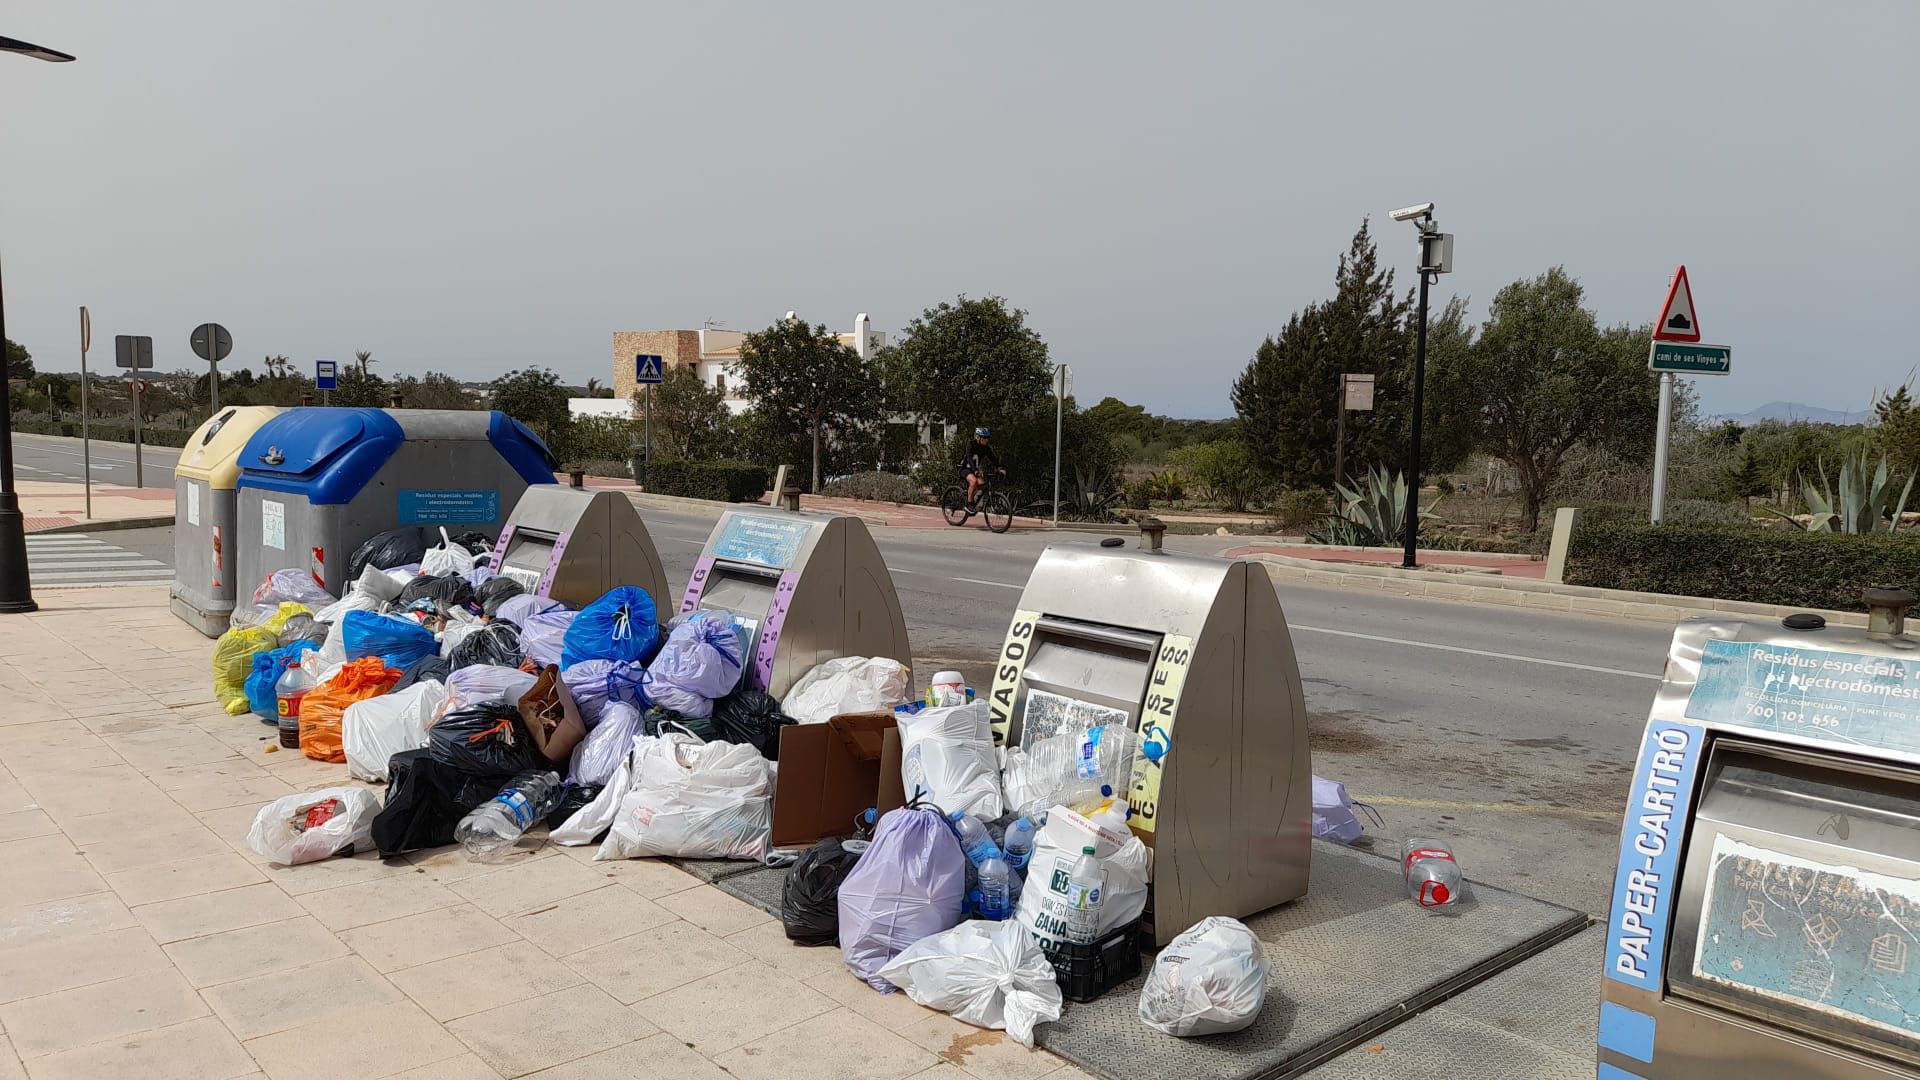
point(648, 370)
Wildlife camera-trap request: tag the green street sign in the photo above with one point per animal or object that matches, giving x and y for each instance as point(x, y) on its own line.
point(1686, 359)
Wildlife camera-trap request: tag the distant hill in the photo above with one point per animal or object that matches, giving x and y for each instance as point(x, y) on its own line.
point(1793, 410)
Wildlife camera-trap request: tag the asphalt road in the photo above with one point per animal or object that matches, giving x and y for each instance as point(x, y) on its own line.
point(44, 457)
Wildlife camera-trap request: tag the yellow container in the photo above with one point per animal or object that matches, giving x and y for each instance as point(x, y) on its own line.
point(204, 484)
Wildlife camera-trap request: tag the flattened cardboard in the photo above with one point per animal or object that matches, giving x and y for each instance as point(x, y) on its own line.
point(831, 772)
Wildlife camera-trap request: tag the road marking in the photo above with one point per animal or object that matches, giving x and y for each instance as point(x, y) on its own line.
point(995, 584)
point(1502, 808)
point(1476, 652)
point(79, 560)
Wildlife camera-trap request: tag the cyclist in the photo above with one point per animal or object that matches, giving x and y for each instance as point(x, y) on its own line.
point(974, 463)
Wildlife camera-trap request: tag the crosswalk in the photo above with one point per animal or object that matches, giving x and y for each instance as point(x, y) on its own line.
point(70, 560)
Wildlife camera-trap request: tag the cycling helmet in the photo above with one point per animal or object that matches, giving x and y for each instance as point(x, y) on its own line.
point(982, 433)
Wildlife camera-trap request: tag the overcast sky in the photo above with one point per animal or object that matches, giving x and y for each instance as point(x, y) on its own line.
point(472, 186)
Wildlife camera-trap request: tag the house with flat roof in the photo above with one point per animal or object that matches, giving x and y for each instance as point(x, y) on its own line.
point(713, 354)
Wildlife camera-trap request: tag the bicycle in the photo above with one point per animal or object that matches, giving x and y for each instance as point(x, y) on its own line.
point(995, 506)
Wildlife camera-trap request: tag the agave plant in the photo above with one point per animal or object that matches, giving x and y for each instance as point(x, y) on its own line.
point(1380, 505)
point(1867, 501)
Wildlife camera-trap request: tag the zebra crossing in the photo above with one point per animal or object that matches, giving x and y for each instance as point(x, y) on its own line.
point(77, 560)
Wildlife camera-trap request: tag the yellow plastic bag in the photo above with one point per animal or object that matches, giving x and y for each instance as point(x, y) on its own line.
point(233, 655)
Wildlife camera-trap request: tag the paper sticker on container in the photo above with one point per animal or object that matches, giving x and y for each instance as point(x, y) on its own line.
point(437, 507)
point(764, 541)
point(1157, 712)
point(1814, 935)
point(193, 503)
point(273, 524)
point(1839, 697)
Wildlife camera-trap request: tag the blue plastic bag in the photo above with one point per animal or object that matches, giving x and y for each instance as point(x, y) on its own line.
point(397, 642)
point(595, 684)
point(700, 662)
point(621, 625)
point(268, 666)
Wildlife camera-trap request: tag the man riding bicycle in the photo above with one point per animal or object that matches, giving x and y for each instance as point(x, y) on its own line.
point(974, 463)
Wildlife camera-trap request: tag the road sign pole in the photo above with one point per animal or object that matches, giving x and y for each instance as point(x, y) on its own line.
point(86, 443)
point(1059, 411)
point(139, 478)
point(1660, 447)
point(213, 387)
point(1410, 536)
point(646, 453)
point(1340, 434)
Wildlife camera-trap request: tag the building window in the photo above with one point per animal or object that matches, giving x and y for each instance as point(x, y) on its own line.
point(720, 381)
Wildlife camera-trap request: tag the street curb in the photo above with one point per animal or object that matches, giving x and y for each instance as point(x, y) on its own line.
point(111, 525)
point(681, 502)
point(1528, 593)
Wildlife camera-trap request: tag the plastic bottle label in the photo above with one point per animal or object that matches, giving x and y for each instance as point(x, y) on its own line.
point(516, 806)
point(1088, 765)
point(289, 706)
point(1425, 853)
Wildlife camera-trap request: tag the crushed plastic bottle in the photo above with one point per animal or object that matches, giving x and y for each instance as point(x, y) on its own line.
point(975, 840)
point(1432, 875)
point(1084, 895)
point(996, 891)
point(493, 827)
point(1019, 844)
point(289, 690)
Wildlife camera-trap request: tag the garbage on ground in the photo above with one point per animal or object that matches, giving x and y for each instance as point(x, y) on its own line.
point(397, 641)
point(322, 709)
point(1333, 812)
point(589, 823)
point(663, 721)
point(297, 586)
point(543, 636)
point(948, 688)
point(550, 718)
point(315, 825)
point(233, 655)
point(395, 547)
point(752, 717)
point(574, 797)
point(810, 895)
point(484, 684)
point(426, 799)
point(485, 739)
point(620, 625)
point(948, 759)
point(494, 592)
point(693, 800)
point(268, 666)
point(496, 643)
point(1209, 980)
point(598, 756)
point(425, 669)
point(990, 975)
point(518, 609)
point(831, 773)
point(1431, 872)
point(377, 728)
point(849, 684)
point(290, 690)
point(302, 628)
point(595, 684)
point(908, 885)
point(1068, 768)
point(447, 591)
point(447, 558)
point(1049, 903)
point(700, 661)
point(494, 827)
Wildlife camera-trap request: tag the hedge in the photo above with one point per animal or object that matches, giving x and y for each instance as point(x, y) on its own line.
point(1782, 566)
point(722, 481)
point(150, 435)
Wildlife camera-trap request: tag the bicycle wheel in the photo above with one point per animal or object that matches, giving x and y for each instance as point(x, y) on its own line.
point(999, 511)
point(953, 506)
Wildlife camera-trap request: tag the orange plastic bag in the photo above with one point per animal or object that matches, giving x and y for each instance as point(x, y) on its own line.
point(322, 710)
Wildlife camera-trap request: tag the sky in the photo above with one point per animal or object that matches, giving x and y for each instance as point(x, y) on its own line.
point(474, 186)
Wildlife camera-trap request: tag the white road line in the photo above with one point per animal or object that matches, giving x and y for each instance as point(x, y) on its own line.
point(1475, 652)
point(995, 584)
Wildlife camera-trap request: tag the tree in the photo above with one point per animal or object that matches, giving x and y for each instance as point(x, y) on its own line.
point(1746, 477)
point(971, 362)
point(354, 388)
point(803, 378)
point(277, 366)
point(1897, 428)
point(364, 359)
point(595, 390)
point(689, 417)
point(1226, 468)
point(434, 390)
point(19, 361)
point(58, 392)
point(1547, 379)
point(536, 397)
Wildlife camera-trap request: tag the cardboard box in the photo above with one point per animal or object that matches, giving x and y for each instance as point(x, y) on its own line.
point(830, 773)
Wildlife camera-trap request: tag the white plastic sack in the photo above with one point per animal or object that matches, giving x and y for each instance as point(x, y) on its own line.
point(846, 685)
point(478, 684)
point(988, 974)
point(947, 757)
point(448, 558)
point(599, 755)
point(1333, 812)
point(693, 800)
point(542, 636)
point(281, 831)
point(588, 822)
point(295, 585)
point(374, 730)
point(1057, 846)
point(1209, 980)
point(1068, 768)
point(454, 634)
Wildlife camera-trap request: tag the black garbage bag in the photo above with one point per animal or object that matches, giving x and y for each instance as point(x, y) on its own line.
point(487, 739)
point(395, 547)
point(478, 543)
point(659, 721)
point(426, 798)
point(496, 591)
point(447, 591)
point(495, 643)
point(810, 899)
point(573, 798)
point(754, 718)
point(429, 667)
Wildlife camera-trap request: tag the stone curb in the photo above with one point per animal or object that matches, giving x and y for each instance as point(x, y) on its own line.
point(1528, 593)
point(110, 525)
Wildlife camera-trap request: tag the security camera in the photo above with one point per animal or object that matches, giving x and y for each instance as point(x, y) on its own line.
point(1408, 213)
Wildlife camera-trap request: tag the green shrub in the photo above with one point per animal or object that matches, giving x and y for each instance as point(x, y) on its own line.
point(1297, 508)
point(877, 487)
point(167, 434)
point(721, 481)
point(1762, 566)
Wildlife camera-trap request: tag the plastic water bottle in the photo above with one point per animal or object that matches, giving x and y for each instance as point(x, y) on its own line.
point(1113, 816)
point(1433, 877)
point(996, 889)
point(497, 824)
point(1084, 895)
point(1019, 845)
point(975, 840)
point(289, 690)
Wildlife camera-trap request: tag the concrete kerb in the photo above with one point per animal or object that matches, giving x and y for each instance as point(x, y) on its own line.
point(155, 521)
point(1527, 592)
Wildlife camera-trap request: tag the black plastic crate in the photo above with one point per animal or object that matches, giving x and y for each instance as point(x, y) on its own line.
point(1087, 971)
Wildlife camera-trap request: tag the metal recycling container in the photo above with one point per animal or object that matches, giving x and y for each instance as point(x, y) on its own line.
point(204, 485)
point(318, 482)
point(573, 544)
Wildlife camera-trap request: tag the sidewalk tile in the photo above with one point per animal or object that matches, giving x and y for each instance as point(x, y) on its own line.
point(657, 1057)
point(362, 1043)
point(980, 1052)
point(44, 868)
point(478, 981)
point(651, 878)
point(767, 942)
point(114, 854)
point(229, 909)
point(254, 950)
point(711, 909)
point(95, 832)
point(895, 1011)
point(655, 960)
point(71, 1018)
point(299, 996)
point(251, 792)
point(53, 966)
point(169, 747)
point(196, 1050)
point(530, 885)
point(527, 1036)
point(188, 877)
point(733, 1007)
point(429, 936)
point(376, 901)
point(315, 877)
point(467, 1066)
point(211, 772)
point(21, 824)
point(832, 1046)
point(450, 864)
point(60, 920)
point(593, 918)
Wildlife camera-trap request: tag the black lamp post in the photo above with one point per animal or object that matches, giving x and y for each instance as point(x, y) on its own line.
point(16, 590)
point(1436, 258)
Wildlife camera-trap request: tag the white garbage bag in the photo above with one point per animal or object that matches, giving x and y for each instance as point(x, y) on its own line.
point(448, 558)
point(588, 822)
point(316, 825)
point(693, 800)
point(1209, 980)
point(1045, 899)
point(848, 684)
point(599, 755)
point(947, 757)
point(374, 730)
point(988, 974)
point(478, 684)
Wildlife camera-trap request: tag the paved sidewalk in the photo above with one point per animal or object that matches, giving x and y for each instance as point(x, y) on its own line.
point(59, 505)
point(1503, 565)
point(891, 515)
point(140, 938)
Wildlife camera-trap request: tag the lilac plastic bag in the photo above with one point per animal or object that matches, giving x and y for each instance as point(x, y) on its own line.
point(911, 884)
point(543, 636)
point(595, 684)
point(599, 755)
point(518, 609)
point(700, 662)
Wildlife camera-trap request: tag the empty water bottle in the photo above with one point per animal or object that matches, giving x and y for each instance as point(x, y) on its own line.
point(1019, 844)
point(1432, 875)
point(496, 825)
point(996, 889)
point(1085, 893)
point(975, 840)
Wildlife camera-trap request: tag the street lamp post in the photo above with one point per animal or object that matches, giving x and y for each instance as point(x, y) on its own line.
point(1436, 258)
point(16, 588)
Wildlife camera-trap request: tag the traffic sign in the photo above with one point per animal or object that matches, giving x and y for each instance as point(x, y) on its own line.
point(1063, 381)
point(1677, 320)
point(86, 335)
point(1358, 392)
point(326, 374)
point(648, 370)
point(1688, 359)
point(132, 351)
point(211, 342)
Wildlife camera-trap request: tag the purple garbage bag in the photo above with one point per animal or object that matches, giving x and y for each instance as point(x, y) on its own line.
point(911, 884)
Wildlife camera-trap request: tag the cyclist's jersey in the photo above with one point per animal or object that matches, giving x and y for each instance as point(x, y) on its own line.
point(978, 457)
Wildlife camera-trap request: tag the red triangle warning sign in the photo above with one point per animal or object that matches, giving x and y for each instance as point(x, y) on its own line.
point(1677, 320)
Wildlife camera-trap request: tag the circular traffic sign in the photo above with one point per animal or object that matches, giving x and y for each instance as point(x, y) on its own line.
point(211, 342)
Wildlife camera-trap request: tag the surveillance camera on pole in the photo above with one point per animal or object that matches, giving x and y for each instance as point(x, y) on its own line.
point(1436, 258)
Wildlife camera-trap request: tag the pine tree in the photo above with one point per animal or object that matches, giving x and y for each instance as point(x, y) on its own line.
point(1745, 477)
